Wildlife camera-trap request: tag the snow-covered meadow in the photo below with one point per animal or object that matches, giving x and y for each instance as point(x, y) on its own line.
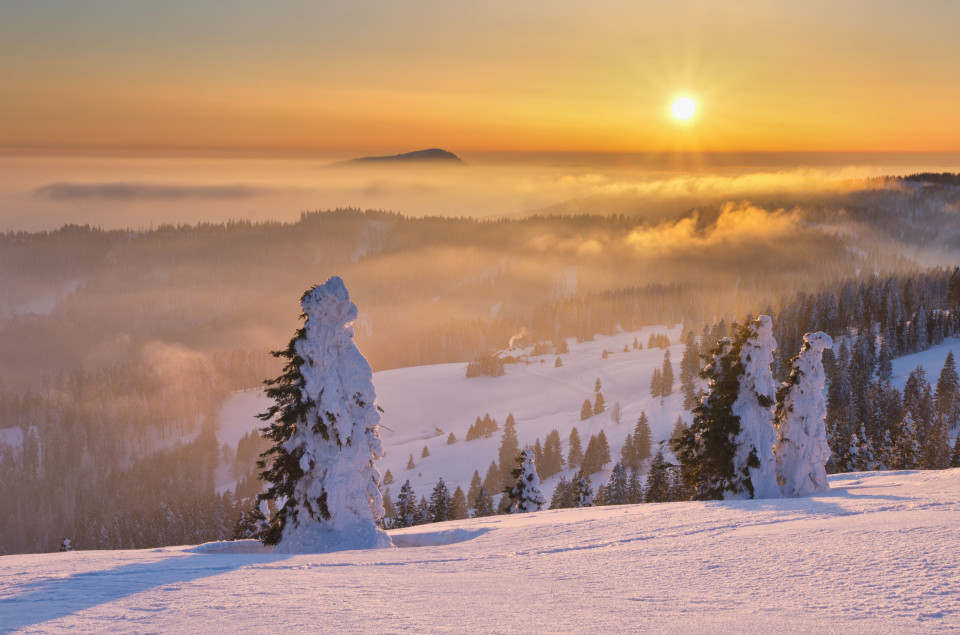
point(879, 552)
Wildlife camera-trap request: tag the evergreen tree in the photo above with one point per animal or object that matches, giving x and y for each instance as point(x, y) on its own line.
point(525, 495)
point(423, 512)
point(483, 505)
point(425, 452)
point(753, 460)
point(557, 363)
point(410, 463)
point(947, 396)
point(507, 455)
point(458, 505)
point(586, 410)
point(801, 450)
point(955, 455)
point(658, 480)
point(907, 447)
point(451, 439)
point(689, 368)
point(388, 478)
point(321, 468)
point(552, 455)
point(441, 503)
point(634, 487)
point(598, 404)
point(406, 508)
point(642, 440)
point(581, 490)
point(562, 495)
point(656, 383)
point(628, 453)
point(475, 485)
point(575, 454)
point(666, 376)
point(389, 510)
point(491, 482)
point(618, 488)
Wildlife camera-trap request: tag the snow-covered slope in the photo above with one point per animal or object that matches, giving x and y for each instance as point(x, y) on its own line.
point(419, 400)
point(879, 552)
point(541, 397)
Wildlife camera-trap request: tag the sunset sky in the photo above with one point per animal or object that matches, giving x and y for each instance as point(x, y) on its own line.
point(390, 76)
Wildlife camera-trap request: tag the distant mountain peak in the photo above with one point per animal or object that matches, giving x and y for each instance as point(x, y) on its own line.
point(429, 155)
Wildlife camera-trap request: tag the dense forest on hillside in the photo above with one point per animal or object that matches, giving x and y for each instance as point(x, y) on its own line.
point(119, 346)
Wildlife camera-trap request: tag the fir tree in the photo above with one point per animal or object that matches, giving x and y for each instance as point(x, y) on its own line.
point(947, 395)
point(689, 368)
point(656, 383)
point(581, 490)
point(321, 469)
point(491, 481)
point(575, 454)
point(642, 443)
point(406, 508)
point(955, 456)
point(801, 450)
point(666, 376)
point(586, 410)
point(425, 452)
point(552, 455)
point(451, 439)
point(634, 487)
point(410, 463)
point(389, 510)
point(475, 485)
point(525, 495)
point(483, 505)
point(658, 480)
point(557, 363)
point(509, 448)
point(388, 478)
point(562, 495)
point(441, 503)
point(423, 512)
point(458, 505)
point(618, 488)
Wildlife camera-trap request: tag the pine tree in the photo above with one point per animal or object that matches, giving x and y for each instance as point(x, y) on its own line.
point(658, 480)
point(907, 447)
point(634, 487)
point(321, 469)
point(458, 505)
point(581, 490)
point(451, 439)
point(642, 442)
point(552, 454)
point(666, 376)
point(557, 363)
point(575, 454)
point(586, 410)
point(947, 395)
point(388, 478)
point(955, 456)
point(483, 505)
point(562, 495)
point(425, 452)
point(618, 488)
point(753, 461)
point(441, 503)
point(410, 463)
point(525, 495)
point(801, 450)
point(475, 485)
point(507, 455)
point(656, 383)
point(423, 512)
point(598, 404)
point(628, 453)
point(406, 515)
point(389, 510)
point(689, 368)
point(491, 481)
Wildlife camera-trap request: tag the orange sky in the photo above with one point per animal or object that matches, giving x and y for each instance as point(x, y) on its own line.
point(392, 76)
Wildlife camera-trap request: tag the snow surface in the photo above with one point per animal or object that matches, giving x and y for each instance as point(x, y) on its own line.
point(878, 552)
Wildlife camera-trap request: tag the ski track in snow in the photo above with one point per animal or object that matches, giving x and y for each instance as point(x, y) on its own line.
point(879, 552)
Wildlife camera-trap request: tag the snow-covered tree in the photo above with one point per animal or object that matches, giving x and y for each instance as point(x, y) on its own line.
point(321, 470)
point(754, 461)
point(802, 450)
point(525, 495)
point(581, 490)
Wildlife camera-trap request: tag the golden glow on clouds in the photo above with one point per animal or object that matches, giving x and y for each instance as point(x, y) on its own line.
point(813, 76)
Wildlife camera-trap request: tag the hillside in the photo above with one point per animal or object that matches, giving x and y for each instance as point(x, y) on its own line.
point(417, 401)
point(879, 552)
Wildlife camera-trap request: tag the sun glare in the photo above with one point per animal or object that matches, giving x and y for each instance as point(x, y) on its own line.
point(683, 108)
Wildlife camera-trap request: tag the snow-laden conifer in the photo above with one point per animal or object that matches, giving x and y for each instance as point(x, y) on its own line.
point(754, 407)
point(525, 495)
point(582, 490)
point(802, 450)
point(324, 423)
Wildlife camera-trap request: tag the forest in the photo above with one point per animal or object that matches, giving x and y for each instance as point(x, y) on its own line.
point(119, 347)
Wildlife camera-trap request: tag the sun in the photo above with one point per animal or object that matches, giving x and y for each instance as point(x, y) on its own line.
point(683, 108)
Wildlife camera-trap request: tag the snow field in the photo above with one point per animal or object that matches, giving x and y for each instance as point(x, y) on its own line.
point(879, 552)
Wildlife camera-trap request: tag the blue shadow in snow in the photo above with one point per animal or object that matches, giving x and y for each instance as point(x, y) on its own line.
point(46, 600)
